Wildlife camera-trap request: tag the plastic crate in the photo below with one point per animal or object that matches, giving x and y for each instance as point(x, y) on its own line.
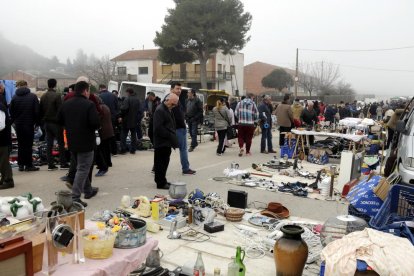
point(398, 206)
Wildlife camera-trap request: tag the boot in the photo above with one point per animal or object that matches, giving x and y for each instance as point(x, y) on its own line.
point(7, 185)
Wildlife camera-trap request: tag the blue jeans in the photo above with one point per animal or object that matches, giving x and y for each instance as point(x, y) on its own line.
point(266, 136)
point(192, 128)
point(182, 145)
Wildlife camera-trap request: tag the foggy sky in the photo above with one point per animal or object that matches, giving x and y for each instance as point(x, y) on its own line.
point(102, 27)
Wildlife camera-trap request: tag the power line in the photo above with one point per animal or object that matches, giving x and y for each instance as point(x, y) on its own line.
point(376, 69)
point(358, 50)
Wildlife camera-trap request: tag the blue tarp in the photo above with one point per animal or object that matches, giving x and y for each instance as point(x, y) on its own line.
point(10, 88)
point(363, 198)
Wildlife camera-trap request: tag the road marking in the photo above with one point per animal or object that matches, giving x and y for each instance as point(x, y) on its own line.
point(213, 165)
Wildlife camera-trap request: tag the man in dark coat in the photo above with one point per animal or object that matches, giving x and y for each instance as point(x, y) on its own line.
point(130, 108)
point(79, 117)
point(164, 139)
point(6, 181)
point(193, 116)
point(50, 103)
point(24, 111)
point(111, 101)
point(265, 116)
point(309, 118)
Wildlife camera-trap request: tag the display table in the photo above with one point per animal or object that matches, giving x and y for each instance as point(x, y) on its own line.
point(122, 261)
point(351, 137)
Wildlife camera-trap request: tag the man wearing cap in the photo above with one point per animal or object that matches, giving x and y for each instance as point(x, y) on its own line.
point(24, 111)
point(265, 116)
point(193, 116)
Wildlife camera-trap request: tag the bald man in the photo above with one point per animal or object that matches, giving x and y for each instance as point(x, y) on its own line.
point(164, 139)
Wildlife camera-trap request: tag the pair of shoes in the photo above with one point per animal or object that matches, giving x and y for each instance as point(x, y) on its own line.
point(8, 185)
point(94, 192)
point(64, 166)
point(52, 168)
point(189, 172)
point(272, 151)
point(241, 152)
point(164, 187)
point(101, 173)
point(84, 204)
point(21, 168)
point(190, 149)
point(31, 169)
point(263, 151)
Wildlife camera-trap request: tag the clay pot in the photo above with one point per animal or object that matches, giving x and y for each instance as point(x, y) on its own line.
point(290, 251)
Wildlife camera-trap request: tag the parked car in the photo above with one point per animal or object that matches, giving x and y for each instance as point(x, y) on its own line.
point(405, 157)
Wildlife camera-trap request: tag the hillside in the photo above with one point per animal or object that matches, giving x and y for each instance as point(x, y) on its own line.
point(14, 57)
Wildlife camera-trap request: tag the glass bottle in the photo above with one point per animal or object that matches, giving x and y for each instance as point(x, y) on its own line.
point(233, 267)
point(239, 261)
point(199, 266)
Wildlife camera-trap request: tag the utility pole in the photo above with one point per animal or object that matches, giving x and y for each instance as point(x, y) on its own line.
point(296, 73)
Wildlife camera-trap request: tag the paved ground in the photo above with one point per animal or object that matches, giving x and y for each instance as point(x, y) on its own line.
point(130, 175)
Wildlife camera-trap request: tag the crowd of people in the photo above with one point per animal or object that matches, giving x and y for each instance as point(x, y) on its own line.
point(91, 128)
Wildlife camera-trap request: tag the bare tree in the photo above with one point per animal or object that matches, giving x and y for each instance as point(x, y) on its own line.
point(344, 88)
point(100, 70)
point(307, 80)
point(326, 74)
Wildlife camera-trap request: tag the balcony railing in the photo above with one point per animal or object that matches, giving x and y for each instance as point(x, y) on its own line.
point(192, 76)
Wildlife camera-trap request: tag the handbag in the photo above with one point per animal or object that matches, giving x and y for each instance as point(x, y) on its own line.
point(231, 132)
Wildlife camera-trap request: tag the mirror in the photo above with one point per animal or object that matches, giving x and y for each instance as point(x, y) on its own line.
point(400, 126)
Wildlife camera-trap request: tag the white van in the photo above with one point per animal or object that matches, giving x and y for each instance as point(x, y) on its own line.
point(405, 156)
point(160, 90)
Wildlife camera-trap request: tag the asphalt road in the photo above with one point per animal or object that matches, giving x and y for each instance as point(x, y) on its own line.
point(130, 175)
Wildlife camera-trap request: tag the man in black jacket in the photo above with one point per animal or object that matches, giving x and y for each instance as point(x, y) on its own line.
point(111, 101)
point(193, 116)
point(24, 111)
point(6, 181)
point(129, 112)
point(50, 103)
point(80, 118)
point(164, 139)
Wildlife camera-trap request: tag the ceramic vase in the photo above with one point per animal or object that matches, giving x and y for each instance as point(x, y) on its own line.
point(290, 251)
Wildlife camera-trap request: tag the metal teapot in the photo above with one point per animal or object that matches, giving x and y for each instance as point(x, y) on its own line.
point(154, 258)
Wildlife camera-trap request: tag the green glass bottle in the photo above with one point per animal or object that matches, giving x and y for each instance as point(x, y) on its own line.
point(239, 261)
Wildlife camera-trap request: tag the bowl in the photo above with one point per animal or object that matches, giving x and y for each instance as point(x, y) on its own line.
point(234, 214)
point(98, 244)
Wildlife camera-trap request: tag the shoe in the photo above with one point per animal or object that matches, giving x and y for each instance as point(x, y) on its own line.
point(248, 154)
point(263, 151)
point(21, 168)
point(101, 173)
point(52, 168)
point(122, 152)
point(84, 204)
point(31, 169)
point(69, 185)
point(64, 167)
point(94, 192)
point(7, 185)
point(165, 187)
point(219, 154)
point(189, 172)
point(132, 152)
point(272, 151)
point(190, 149)
point(241, 152)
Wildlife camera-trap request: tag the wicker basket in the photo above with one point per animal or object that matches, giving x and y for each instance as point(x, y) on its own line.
point(234, 214)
